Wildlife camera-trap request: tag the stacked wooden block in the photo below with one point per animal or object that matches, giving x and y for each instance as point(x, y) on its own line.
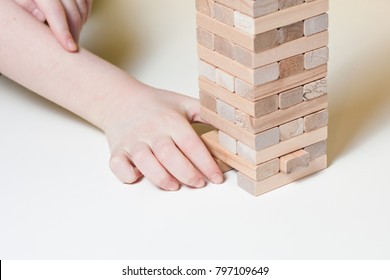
point(262, 79)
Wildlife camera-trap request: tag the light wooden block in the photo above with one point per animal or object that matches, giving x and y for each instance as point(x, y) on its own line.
point(315, 89)
point(317, 57)
point(290, 98)
point(266, 74)
point(244, 23)
point(223, 166)
point(263, 140)
point(316, 120)
point(225, 80)
point(226, 111)
point(317, 150)
point(205, 7)
point(208, 101)
point(316, 24)
point(257, 188)
point(253, 93)
point(291, 66)
point(283, 4)
point(256, 172)
point(224, 47)
point(205, 38)
point(290, 32)
point(251, 7)
point(224, 14)
point(207, 70)
point(227, 142)
point(291, 129)
point(295, 161)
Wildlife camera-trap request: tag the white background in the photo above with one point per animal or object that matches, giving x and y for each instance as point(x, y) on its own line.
point(59, 200)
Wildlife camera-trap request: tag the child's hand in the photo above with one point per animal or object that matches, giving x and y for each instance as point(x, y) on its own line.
point(149, 134)
point(65, 17)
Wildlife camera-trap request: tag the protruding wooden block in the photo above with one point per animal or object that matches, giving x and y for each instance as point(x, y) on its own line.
point(316, 120)
point(291, 129)
point(223, 166)
point(295, 161)
point(291, 97)
point(227, 142)
point(316, 24)
point(315, 89)
point(257, 188)
point(316, 58)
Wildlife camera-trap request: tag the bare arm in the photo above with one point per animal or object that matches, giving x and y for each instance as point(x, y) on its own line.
point(129, 112)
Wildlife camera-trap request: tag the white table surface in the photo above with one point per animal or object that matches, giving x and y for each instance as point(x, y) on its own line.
point(58, 198)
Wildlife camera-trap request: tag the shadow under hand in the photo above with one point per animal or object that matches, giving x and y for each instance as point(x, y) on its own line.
point(360, 90)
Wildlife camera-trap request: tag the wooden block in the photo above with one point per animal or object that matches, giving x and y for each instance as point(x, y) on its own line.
point(207, 70)
point(224, 14)
point(291, 97)
point(253, 93)
point(290, 32)
point(266, 74)
point(317, 57)
point(205, 38)
point(284, 51)
point(251, 7)
point(224, 47)
point(263, 140)
point(282, 148)
point(295, 161)
point(256, 109)
point(288, 16)
point(266, 40)
point(315, 89)
point(256, 172)
point(223, 166)
point(226, 111)
point(225, 80)
point(249, 140)
point(316, 120)
point(291, 129)
point(257, 188)
point(205, 7)
point(227, 142)
point(316, 150)
point(291, 66)
point(257, 125)
point(244, 23)
point(316, 24)
point(283, 4)
point(208, 101)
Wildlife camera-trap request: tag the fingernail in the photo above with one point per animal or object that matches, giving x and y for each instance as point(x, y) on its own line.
point(71, 45)
point(217, 178)
point(199, 183)
point(172, 186)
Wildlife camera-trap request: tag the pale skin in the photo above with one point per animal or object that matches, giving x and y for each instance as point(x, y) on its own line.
point(129, 112)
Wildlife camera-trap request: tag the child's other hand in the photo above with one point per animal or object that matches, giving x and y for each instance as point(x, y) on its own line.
point(149, 134)
point(65, 18)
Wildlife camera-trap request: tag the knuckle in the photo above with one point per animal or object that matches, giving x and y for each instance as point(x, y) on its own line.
point(163, 148)
point(138, 153)
point(190, 143)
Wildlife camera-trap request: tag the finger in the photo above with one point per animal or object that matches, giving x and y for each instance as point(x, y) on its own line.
point(122, 167)
point(82, 6)
point(195, 150)
point(73, 17)
point(32, 8)
point(148, 165)
point(176, 163)
point(56, 17)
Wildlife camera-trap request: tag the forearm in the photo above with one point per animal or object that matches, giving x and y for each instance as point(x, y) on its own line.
point(80, 82)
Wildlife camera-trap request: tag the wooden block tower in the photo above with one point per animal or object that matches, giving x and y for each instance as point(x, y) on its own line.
point(262, 80)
